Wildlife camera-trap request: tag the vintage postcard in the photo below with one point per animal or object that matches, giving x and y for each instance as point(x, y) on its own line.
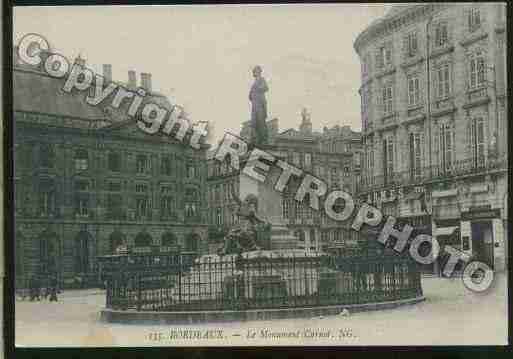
point(250, 175)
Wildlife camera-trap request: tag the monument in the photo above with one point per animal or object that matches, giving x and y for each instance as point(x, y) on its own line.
point(258, 108)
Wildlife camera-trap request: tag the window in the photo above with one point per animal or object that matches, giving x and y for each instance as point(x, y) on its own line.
point(142, 239)
point(296, 159)
point(477, 141)
point(446, 147)
point(387, 101)
point(114, 201)
point(474, 19)
point(388, 159)
point(191, 170)
point(82, 198)
point(167, 203)
point(384, 56)
point(334, 176)
point(415, 155)
point(81, 160)
point(477, 71)
point(413, 90)
point(285, 207)
point(370, 159)
point(46, 197)
point(114, 162)
point(219, 216)
point(46, 156)
point(411, 44)
point(443, 78)
point(308, 160)
point(324, 236)
point(365, 100)
point(166, 165)
point(441, 34)
point(169, 240)
point(142, 164)
point(141, 201)
point(191, 203)
point(346, 171)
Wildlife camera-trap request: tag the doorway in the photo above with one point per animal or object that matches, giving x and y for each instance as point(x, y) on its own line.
point(482, 242)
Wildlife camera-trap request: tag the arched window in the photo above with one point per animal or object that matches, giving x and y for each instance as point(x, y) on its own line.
point(143, 239)
point(116, 239)
point(169, 240)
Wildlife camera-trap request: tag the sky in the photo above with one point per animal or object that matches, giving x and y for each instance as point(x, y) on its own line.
point(201, 56)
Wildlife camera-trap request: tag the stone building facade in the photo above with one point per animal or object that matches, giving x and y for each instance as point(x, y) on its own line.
point(332, 155)
point(433, 106)
point(88, 181)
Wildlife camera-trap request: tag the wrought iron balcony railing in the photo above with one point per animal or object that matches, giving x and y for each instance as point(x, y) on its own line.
point(433, 173)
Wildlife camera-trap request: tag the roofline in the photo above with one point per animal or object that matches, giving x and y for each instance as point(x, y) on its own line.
point(382, 22)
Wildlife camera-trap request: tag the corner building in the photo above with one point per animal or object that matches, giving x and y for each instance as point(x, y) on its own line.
point(88, 181)
point(434, 128)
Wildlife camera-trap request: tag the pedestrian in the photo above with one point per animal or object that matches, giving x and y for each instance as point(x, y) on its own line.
point(53, 289)
point(35, 288)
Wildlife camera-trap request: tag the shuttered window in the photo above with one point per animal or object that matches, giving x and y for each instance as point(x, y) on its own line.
point(477, 140)
point(415, 156)
point(388, 159)
point(443, 81)
point(446, 147)
point(413, 90)
point(386, 98)
point(477, 71)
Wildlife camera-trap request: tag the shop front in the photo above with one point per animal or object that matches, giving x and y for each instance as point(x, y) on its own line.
point(483, 236)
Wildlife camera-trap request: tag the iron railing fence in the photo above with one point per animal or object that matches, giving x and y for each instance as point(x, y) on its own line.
point(432, 173)
point(274, 281)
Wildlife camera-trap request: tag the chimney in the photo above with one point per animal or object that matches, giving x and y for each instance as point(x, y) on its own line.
point(107, 72)
point(146, 81)
point(132, 82)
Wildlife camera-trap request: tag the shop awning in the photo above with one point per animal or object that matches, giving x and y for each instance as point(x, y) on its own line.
point(444, 231)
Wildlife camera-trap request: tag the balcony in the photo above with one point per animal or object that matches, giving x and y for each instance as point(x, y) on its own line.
point(435, 173)
point(443, 106)
point(476, 97)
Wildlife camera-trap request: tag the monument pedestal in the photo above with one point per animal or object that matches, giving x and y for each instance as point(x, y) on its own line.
point(269, 207)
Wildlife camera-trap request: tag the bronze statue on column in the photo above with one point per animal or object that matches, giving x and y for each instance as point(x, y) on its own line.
point(258, 108)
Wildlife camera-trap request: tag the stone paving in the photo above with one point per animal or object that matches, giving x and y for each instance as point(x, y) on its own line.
point(451, 314)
